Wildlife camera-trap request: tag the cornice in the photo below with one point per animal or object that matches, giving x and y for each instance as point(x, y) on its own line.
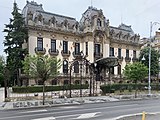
point(56, 31)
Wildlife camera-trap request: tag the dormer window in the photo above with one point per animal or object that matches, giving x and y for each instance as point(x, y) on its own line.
point(99, 22)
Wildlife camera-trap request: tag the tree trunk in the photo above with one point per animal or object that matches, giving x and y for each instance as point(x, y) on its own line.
point(18, 79)
point(5, 88)
point(43, 92)
point(136, 89)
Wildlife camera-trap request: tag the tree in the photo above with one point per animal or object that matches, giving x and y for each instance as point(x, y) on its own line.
point(41, 67)
point(16, 35)
point(135, 72)
point(154, 59)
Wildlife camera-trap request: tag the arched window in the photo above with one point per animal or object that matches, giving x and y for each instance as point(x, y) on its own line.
point(112, 70)
point(76, 67)
point(65, 66)
point(77, 82)
point(86, 82)
point(40, 82)
point(66, 82)
point(119, 70)
point(54, 82)
point(87, 68)
point(98, 22)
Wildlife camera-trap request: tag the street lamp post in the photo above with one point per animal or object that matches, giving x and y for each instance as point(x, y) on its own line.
point(149, 66)
point(70, 93)
point(81, 60)
point(95, 74)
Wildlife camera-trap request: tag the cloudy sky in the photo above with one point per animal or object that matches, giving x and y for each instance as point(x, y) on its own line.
point(137, 13)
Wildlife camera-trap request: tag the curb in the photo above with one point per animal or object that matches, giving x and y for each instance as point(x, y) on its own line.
point(41, 106)
point(130, 115)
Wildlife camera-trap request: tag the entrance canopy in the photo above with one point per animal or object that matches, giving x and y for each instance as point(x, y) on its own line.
point(107, 62)
point(104, 63)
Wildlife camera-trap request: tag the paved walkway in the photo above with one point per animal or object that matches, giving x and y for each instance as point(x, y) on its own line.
point(1, 95)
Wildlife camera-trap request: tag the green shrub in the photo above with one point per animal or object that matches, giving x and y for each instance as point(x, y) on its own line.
point(35, 89)
point(126, 86)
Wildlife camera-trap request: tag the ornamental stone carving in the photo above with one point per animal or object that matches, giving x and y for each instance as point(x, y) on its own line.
point(30, 16)
point(40, 17)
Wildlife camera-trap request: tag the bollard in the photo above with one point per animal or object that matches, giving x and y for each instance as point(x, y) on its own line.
point(143, 115)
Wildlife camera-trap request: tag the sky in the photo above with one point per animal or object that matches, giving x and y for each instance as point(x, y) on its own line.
point(137, 13)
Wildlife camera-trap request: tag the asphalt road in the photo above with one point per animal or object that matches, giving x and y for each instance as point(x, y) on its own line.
point(96, 111)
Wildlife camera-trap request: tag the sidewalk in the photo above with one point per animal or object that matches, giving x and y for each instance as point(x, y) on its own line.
point(56, 101)
point(1, 95)
point(49, 102)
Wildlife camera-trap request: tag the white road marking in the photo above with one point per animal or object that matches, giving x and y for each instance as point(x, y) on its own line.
point(34, 111)
point(87, 115)
point(68, 107)
point(47, 118)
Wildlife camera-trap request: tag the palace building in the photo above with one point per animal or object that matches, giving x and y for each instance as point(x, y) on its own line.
point(64, 37)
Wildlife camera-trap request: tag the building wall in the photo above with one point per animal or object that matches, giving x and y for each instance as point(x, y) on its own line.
point(88, 29)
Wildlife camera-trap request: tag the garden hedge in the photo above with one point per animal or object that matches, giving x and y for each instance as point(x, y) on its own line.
point(110, 88)
point(35, 89)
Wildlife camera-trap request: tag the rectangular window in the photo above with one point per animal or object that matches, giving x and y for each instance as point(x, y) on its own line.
point(77, 48)
point(134, 53)
point(40, 44)
point(53, 45)
point(86, 48)
point(65, 47)
point(111, 53)
point(127, 53)
point(97, 49)
point(119, 52)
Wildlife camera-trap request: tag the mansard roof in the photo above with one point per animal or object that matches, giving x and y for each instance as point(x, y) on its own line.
point(59, 18)
point(31, 6)
point(90, 13)
point(126, 28)
point(35, 9)
point(35, 12)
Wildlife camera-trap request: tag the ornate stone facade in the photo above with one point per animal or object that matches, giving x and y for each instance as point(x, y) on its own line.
point(65, 37)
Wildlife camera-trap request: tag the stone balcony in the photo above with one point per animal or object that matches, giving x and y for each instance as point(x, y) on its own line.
point(66, 54)
point(53, 53)
point(98, 55)
point(76, 55)
point(120, 58)
point(134, 59)
point(40, 51)
point(127, 59)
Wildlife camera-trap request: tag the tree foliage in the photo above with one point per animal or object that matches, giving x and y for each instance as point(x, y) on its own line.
point(154, 59)
point(41, 67)
point(16, 34)
point(135, 72)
